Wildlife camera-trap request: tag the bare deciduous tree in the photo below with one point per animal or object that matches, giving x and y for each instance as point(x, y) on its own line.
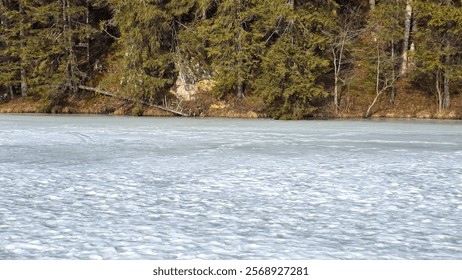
point(347, 29)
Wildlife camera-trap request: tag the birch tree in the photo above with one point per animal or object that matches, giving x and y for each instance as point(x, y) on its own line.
point(407, 38)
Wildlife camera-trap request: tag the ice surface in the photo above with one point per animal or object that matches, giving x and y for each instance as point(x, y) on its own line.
point(79, 187)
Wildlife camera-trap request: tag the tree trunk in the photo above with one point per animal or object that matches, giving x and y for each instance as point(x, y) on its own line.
point(138, 101)
point(87, 21)
point(393, 74)
point(240, 89)
point(240, 82)
point(378, 92)
point(447, 60)
point(372, 4)
point(24, 87)
point(406, 38)
point(10, 88)
point(291, 4)
point(336, 93)
point(22, 39)
point(439, 94)
point(2, 17)
point(337, 53)
point(67, 27)
point(204, 13)
point(238, 49)
point(446, 95)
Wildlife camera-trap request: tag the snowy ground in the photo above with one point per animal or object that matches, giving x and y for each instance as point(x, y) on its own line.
point(173, 188)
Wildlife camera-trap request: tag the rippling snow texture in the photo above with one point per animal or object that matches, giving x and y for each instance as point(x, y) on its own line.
point(152, 188)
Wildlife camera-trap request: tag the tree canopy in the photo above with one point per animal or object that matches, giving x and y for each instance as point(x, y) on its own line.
point(293, 55)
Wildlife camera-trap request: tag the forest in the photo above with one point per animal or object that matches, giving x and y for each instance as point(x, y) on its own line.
point(286, 58)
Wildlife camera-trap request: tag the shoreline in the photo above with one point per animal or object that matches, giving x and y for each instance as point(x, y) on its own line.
point(223, 116)
point(407, 108)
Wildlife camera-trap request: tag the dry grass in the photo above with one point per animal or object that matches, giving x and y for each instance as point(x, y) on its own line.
point(409, 103)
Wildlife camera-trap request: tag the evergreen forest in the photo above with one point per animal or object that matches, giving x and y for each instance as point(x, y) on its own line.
point(291, 57)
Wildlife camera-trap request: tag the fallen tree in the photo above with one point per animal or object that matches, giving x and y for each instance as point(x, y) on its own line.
point(106, 93)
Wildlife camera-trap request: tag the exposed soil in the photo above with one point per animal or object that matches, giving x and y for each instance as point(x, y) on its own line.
point(88, 104)
point(409, 103)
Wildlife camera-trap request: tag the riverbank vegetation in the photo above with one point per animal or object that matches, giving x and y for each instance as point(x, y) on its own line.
point(288, 59)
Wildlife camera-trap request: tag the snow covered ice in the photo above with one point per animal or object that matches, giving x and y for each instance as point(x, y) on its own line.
point(94, 187)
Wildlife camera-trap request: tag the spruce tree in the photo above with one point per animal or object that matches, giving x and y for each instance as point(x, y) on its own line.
point(147, 45)
point(40, 47)
point(14, 28)
point(7, 71)
point(295, 58)
point(193, 19)
point(233, 46)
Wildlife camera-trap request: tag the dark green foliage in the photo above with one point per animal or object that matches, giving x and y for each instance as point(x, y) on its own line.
point(147, 46)
point(45, 47)
point(293, 63)
point(380, 55)
point(440, 37)
point(282, 52)
point(231, 45)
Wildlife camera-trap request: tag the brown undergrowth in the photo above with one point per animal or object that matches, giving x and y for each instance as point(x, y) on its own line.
point(409, 103)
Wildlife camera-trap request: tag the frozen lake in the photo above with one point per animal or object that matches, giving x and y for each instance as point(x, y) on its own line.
point(94, 187)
